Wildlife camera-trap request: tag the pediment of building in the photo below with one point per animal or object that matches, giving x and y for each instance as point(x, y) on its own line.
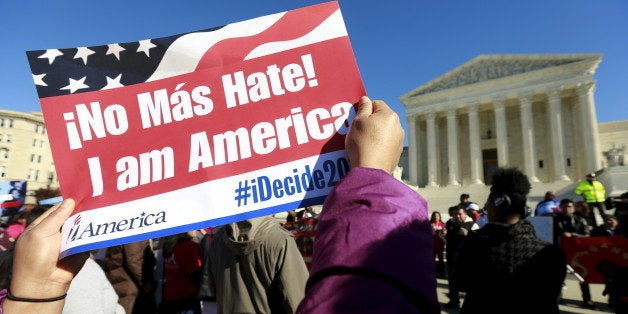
point(490, 67)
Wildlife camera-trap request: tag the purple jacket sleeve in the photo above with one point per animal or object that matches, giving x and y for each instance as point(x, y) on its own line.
point(373, 251)
point(3, 295)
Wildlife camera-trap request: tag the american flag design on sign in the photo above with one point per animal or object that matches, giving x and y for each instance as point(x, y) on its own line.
point(66, 71)
point(167, 135)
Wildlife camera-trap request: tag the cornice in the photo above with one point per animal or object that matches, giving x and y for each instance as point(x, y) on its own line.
point(577, 65)
point(33, 116)
point(454, 102)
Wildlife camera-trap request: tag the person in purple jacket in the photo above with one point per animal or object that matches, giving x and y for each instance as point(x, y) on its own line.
point(373, 251)
point(373, 248)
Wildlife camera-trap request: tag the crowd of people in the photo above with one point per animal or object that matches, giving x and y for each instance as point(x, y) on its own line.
point(372, 254)
point(479, 254)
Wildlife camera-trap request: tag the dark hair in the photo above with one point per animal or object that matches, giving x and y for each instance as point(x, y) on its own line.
point(452, 208)
point(513, 183)
point(465, 195)
point(565, 201)
point(584, 208)
point(434, 213)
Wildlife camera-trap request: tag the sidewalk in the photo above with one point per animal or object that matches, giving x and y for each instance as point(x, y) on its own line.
point(571, 295)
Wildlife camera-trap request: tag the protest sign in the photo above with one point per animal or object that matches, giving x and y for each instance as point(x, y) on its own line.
point(166, 135)
point(12, 196)
point(587, 254)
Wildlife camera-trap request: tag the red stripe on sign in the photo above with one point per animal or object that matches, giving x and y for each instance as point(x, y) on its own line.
point(292, 25)
point(117, 152)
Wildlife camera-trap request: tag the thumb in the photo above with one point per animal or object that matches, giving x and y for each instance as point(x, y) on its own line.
point(365, 107)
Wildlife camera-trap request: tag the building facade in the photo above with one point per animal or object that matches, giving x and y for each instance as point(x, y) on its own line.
point(535, 112)
point(24, 150)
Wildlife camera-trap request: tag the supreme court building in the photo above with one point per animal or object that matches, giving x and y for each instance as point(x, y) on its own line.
point(535, 112)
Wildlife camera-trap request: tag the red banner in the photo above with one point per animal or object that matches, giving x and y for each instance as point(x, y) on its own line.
point(587, 254)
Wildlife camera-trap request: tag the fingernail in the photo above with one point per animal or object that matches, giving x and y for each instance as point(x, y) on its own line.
point(65, 204)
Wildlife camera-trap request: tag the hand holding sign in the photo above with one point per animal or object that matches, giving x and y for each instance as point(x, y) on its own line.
point(375, 139)
point(38, 274)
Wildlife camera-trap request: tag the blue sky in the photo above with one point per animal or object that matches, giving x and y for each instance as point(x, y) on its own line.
point(399, 44)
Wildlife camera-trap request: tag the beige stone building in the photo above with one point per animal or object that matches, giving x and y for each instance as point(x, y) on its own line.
point(535, 112)
point(531, 111)
point(24, 150)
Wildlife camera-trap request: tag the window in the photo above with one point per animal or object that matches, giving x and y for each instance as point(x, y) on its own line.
point(34, 142)
point(32, 157)
point(39, 128)
point(4, 153)
point(10, 123)
point(39, 159)
point(3, 171)
point(32, 173)
point(41, 144)
point(1, 122)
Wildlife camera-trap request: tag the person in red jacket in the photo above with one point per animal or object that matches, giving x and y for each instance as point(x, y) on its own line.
point(182, 266)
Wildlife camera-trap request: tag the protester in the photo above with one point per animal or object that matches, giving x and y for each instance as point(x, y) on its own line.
point(373, 248)
point(16, 226)
point(254, 266)
point(129, 268)
point(464, 200)
point(456, 233)
point(548, 206)
point(182, 274)
point(291, 216)
point(621, 212)
point(473, 211)
point(438, 236)
point(569, 225)
point(308, 212)
point(205, 295)
point(583, 211)
point(505, 265)
point(609, 228)
point(593, 193)
point(387, 269)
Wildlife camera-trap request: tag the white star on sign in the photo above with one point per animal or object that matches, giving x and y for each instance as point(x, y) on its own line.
point(113, 83)
point(83, 53)
point(51, 54)
point(75, 85)
point(145, 46)
point(39, 79)
point(114, 49)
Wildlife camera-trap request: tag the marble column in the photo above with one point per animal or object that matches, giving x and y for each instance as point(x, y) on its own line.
point(556, 132)
point(588, 127)
point(527, 130)
point(412, 149)
point(501, 133)
point(475, 149)
point(432, 165)
point(452, 148)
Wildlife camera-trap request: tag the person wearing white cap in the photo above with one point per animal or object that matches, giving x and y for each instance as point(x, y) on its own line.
point(473, 211)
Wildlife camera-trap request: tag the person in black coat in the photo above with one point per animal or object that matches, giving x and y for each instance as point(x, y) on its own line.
point(504, 267)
